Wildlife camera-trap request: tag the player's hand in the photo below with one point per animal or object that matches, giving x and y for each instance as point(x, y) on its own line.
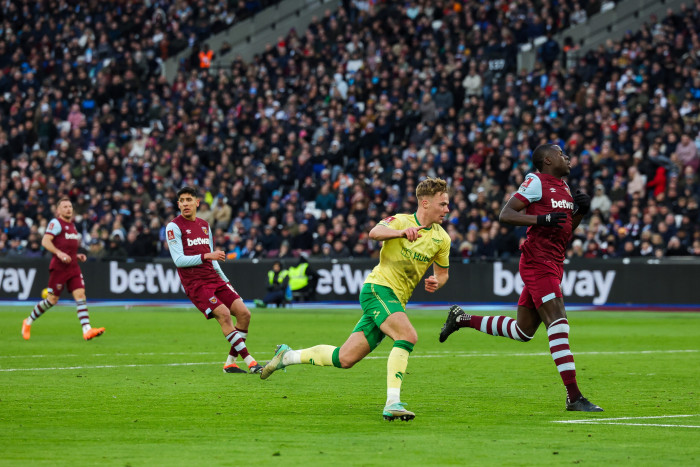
point(431, 284)
point(553, 219)
point(81, 257)
point(583, 201)
point(412, 233)
point(64, 258)
point(216, 255)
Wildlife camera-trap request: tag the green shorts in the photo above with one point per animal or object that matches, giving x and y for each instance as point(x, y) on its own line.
point(377, 302)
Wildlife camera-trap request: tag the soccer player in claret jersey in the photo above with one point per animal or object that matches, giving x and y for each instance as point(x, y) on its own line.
point(412, 242)
point(545, 204)
point(63, 240)
point(191, 246)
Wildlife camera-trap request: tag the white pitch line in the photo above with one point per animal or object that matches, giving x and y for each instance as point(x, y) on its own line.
point(90, 367)
point(540, 354)
point(649, 417)
point(109, 354)
point(611, 421)
point(373, 357)
point(441, 354)
point(644, 424)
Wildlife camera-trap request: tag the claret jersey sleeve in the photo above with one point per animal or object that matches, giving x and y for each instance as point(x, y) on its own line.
point(177, 252)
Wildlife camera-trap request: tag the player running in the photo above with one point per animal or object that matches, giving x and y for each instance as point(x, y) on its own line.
point(544, 203)
point(63, 240)
point(191, 246)
point(412, 242)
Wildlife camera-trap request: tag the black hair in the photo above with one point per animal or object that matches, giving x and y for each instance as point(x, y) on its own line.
point(540, 153)
point(187, 190)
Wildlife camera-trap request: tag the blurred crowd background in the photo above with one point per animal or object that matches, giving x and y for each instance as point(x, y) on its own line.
point(304, 148)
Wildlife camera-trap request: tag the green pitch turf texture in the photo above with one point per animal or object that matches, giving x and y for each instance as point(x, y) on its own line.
point(151, 391)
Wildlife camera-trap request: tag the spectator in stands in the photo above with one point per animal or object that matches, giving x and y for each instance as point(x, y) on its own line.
point(600, 201)
point(610, 110)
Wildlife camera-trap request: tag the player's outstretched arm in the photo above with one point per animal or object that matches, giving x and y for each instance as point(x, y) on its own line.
point(381, 232)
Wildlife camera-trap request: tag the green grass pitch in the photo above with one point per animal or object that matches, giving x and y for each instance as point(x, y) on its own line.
point(151, 391)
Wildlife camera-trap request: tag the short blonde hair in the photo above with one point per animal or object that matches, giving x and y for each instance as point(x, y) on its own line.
point(430, 187)
point(62, 199)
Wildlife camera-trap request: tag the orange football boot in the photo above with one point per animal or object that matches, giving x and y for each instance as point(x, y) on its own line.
point(26, 330)
point(92, 333)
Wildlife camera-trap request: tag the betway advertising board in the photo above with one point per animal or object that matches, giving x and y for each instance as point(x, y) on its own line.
point(670, 282)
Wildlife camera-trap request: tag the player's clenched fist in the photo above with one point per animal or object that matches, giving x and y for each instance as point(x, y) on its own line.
point(431, 284)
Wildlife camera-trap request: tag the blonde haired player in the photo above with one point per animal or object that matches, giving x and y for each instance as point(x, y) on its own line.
point(412, 243)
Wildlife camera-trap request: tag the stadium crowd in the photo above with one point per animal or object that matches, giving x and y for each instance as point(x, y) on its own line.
point(324, 133)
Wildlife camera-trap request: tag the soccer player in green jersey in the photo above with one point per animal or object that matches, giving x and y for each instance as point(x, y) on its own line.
point(412, 242)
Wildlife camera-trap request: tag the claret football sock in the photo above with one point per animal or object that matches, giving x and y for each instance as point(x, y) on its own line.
point(83, 316)
point(237, 343)
point(496, 326)
point(558, 333)
point(39, 309)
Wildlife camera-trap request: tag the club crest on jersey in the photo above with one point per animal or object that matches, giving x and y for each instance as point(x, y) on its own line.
point(171, 235)
point(568, 191)
point(213, 299)
point(205, 230)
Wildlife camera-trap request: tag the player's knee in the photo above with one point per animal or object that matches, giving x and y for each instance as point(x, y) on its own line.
point(410, 336)
point(525, 333)
point(347, 363)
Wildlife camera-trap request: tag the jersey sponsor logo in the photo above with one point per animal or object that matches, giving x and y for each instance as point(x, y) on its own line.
point(197, 241)
point(205, 230)
point(171, 235)
point(562, 204)
point(414, 255)
point(75, 236)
